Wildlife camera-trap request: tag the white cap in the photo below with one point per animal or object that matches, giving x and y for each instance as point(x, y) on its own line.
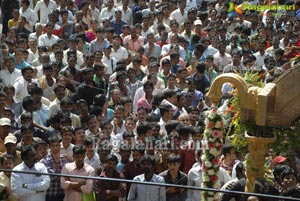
point(197, 22)
point(11, 138)
point(5, 122)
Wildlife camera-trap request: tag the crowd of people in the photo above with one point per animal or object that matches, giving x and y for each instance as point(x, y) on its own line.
point(116, 89)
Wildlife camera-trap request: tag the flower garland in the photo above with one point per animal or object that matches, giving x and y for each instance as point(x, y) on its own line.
point(212, 147)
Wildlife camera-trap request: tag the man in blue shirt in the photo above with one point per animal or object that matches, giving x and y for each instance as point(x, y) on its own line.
point(200, 78)
point(146, 192)
point(117, 23)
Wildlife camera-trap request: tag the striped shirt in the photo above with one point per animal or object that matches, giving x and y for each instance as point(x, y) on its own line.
point(55, 188)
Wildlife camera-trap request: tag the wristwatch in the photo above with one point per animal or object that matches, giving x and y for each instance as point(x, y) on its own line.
point(107, 192)
point(24, 185)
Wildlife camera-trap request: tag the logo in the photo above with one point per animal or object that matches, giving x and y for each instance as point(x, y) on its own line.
point(234, 10)
point(276, 9)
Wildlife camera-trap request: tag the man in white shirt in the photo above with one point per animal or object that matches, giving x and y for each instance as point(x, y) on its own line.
point(195, 178)
point(30, 187)
point(63, 6)
point(151, 48)
point(165, 51)
point(32, 50)
point(91, 156)
point(117, 51)
point(29, 14)
point(22, 83)
point(60, 93)
point(126, 12)
point(221, 58)
point(48, 39)
point(94, 10)
point(166, 112)
point(10, 74)
point(146, 29)
point(107, 12)
point(109, 62)
point(180, 15)
point(261, 54)
point(38, 27)
point(191, 4)
point(44, 8)
point(73, 46)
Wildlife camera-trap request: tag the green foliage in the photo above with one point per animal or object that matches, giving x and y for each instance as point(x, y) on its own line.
point(236, 131)
point(288, 139)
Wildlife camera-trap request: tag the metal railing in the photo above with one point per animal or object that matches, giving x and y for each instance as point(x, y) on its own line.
point(155, 184)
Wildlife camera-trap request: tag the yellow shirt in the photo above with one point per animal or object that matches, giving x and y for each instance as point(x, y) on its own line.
point(4, 179)
point(12, 23)
point(2, 146)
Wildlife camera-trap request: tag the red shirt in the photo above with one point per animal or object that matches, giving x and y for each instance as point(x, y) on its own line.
point(187, 158)
point(131, 170)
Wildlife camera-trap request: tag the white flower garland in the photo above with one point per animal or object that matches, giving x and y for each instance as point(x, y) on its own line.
point(212, 147)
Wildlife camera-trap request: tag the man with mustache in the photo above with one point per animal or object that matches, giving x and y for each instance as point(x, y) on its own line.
point(75, 187)
point(147, 192)
point(110, 190)
point(30, 187)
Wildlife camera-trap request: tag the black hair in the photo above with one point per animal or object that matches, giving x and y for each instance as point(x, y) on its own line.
point(124, 100)
point(3, 94)
point(277, 170)
point(120, 74)
point(27, 2)
point(173, 158)
point(148, 84)
point(152, 117)
point(63, 11)
point(193, 109)
point(173, 135)
point(140, 148)
point(164, 108)
point(128, 134)
point(39, 142)
point(200, 66)
point(157, 99)
point(165, 61)
point(53, 138)
point(226, 149)
point(91, 117)
point(143, 128)
point(88, 141)
point(66, 101)
point(71, 53)
point(183, 129)
point(79, 150)
point(99, 100)
point(169, 93)
point(28, 101)
point(25, 150)
point(66, 129)
point(287, 172)
point(96, 110)
point(36, 90)
point(4, 157)
point(26, 69)
point(142, 108)
point(119, 107)
point(173, 75)
point(171, 125)
point(149, 158)
point(209, 57)
point(111, 157)
point(57, 86)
